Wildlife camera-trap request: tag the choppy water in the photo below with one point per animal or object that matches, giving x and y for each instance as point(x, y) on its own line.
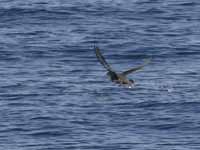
point(54, 94)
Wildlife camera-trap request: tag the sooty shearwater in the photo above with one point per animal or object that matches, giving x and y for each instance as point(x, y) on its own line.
point(119, 78)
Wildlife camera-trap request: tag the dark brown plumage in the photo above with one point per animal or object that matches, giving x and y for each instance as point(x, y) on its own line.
point(119, 78)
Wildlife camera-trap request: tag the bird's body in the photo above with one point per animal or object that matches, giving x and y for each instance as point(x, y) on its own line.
point(119, 78)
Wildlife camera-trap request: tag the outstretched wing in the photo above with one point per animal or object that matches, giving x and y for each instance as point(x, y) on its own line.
point(102, 59)
point(136, 68)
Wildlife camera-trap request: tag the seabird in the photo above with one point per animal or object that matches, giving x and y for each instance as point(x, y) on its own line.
point(119, 78)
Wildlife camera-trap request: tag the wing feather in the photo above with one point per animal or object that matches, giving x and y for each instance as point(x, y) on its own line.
point(102, 59)
point(136, 68)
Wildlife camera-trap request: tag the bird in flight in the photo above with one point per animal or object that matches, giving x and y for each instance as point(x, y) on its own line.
point(119, 78)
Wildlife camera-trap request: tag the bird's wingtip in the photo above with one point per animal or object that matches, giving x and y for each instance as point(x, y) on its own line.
point(96, 47)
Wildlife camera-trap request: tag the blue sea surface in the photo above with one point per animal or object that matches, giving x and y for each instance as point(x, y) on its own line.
point(55, 95)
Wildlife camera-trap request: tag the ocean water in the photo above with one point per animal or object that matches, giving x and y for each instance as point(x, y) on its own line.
point(55, 95)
